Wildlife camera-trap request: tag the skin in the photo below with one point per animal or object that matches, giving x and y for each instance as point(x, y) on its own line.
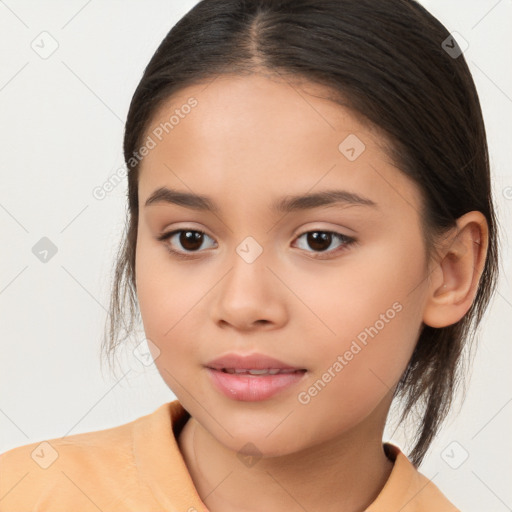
point(251, 140)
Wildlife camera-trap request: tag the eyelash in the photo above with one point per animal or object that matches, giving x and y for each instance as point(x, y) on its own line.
point(348, 241)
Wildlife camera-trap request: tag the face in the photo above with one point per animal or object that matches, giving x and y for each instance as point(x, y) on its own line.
point(337, 289)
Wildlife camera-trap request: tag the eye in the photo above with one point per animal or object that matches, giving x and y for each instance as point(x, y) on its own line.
point(322, 240)
point(190, 239)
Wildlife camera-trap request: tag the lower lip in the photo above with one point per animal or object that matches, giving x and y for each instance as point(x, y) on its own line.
point(252, 388)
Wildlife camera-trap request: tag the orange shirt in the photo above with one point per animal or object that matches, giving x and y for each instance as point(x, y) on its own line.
point(138, 467)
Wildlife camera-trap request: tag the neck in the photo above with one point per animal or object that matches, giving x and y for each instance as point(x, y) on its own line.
point(343, 474)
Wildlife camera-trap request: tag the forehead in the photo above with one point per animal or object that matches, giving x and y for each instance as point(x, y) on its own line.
point(255, 110)
point(251, 134)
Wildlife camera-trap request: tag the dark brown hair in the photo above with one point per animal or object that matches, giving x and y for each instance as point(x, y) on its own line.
point(384, 59)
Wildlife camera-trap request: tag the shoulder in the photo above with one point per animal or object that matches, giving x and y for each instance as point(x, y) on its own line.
point(408, 490)
point(428, 496)
point(71, 471)
point(88, 447)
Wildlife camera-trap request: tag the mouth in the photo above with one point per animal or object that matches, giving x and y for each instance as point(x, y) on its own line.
point(252, 364)
point(258, 372)
point(254, 384)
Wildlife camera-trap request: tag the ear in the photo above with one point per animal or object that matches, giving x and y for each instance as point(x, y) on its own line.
point(453, 282)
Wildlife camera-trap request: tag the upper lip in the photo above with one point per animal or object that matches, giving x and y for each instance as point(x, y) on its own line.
point(248, 362)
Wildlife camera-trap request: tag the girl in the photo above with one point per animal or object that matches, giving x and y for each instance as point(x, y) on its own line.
point(311, 236)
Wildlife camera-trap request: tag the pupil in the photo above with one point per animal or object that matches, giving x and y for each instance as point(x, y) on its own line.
point(317, 239)
point(193, 238)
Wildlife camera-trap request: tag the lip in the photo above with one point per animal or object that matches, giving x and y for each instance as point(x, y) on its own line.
point(253, 388)
point(247, 362)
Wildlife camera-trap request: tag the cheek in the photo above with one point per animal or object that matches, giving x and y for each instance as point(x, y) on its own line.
point(169, 297)
point(371, 314)
point(157, 290)
point(378, 285)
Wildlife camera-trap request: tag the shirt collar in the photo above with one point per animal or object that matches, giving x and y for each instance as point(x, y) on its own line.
point(162, 467)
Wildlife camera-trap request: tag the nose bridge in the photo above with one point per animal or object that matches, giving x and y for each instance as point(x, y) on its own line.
point(249, 292)
point(250, 228)
point(249, 268)
point(250, 250)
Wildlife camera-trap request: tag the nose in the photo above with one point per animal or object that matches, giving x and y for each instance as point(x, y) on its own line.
point(250, 295)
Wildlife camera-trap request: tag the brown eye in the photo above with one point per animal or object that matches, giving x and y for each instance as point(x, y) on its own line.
point(190, 240)
point(187, 240)
point(320, 241)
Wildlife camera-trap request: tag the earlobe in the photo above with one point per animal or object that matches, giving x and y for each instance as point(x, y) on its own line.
point(454, 281)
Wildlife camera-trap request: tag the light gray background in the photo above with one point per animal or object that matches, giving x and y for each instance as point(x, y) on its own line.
point(61, 136)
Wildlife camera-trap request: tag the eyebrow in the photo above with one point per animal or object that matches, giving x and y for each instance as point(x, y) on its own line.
point(285, 204)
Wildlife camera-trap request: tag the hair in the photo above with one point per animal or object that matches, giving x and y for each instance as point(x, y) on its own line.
point(383, 59)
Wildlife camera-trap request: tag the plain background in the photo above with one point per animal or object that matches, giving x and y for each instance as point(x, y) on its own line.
point(62, 120)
